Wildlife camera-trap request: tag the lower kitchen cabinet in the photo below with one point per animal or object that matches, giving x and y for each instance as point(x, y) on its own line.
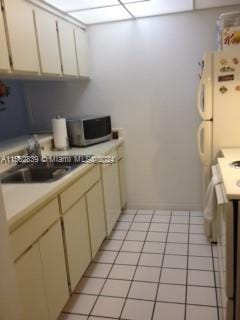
point(121, 169)
point(54, 270)
point(42, 277)
point(48, 254)
point(122, 182)
point(111, 189)
point(77, 241)
point(96, 217)
point(31, 285)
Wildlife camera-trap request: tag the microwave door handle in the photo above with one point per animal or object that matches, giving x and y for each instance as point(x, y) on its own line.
point(200, 142)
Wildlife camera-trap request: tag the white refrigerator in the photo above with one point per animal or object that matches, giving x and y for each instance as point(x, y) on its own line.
point(218, 103)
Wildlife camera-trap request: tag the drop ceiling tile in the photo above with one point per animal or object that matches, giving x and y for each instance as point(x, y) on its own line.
point(202, 4)
point(156, 7)
point(107, 14)
point(70, 5)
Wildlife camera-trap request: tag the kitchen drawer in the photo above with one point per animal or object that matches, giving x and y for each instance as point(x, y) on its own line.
point(79, 188)
point(121, 152)
point(23, 237)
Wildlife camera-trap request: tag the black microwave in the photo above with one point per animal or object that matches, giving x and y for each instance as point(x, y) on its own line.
point(87, 131)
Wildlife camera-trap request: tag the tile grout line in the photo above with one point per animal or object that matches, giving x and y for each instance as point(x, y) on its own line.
point(141, 299)
point(173, 232)
point(169, 283)
point(159, 279)
point(138, 299)
point(152, 266)
point(186, 289)
point(151, 252)
point(215, 282)
point(132, 280)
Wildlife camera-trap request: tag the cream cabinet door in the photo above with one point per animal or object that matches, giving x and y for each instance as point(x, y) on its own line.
point(77, 241)
point(111, 192)
point(31, 285)
point(67, 48)
point(96, 216)
point(54, 270)
point(4, 56)
point(47, 38)
point(122, 181)
point(82, 52)
point(21, 34)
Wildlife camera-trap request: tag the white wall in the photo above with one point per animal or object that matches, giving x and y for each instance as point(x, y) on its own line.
point(14, 120)
point(145, 74)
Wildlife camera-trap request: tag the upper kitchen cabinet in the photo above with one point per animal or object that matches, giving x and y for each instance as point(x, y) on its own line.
point(47, 38)
point(67, 48)
point(82, 52)
point(21, 35)
point(4, 57)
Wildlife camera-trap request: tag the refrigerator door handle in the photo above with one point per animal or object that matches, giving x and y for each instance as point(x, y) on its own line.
point(204, 142)
point(200, 99)
point(205, 90)
point(200, 133)
point(204, 99)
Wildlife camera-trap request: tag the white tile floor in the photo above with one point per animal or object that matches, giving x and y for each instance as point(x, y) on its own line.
point(156, 265)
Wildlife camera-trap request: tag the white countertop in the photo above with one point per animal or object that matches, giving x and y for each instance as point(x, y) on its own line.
point(233, 153)
point(20, 199)
point(230, 175)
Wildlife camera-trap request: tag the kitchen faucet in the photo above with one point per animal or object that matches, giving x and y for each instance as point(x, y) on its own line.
point(34, 147)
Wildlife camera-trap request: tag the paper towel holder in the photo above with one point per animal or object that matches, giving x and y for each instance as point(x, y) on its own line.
point(67, 140)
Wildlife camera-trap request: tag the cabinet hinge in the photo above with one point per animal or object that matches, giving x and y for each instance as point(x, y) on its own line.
point(2, 6)
point(10, 61)
point(62, 224)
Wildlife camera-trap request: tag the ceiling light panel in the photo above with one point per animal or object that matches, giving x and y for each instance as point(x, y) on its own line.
point(133, 1)
point(106, 14)
point(156, 7)
point(202, 4)
point(73, 5)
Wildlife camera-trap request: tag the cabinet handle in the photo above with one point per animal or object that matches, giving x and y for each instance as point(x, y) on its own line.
point(219, 194)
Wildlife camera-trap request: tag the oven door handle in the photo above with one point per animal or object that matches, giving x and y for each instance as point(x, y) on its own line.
point(221, 199)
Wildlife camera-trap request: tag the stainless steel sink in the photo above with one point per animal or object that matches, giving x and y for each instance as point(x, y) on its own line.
point(31, 174)
point(47, 171)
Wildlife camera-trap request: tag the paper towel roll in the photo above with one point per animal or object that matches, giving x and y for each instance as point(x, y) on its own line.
point(60, 133)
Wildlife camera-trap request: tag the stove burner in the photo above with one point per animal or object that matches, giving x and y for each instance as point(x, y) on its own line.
point(236, 164)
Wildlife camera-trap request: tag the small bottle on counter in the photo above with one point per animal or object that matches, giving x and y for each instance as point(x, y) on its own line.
point(115, 135)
